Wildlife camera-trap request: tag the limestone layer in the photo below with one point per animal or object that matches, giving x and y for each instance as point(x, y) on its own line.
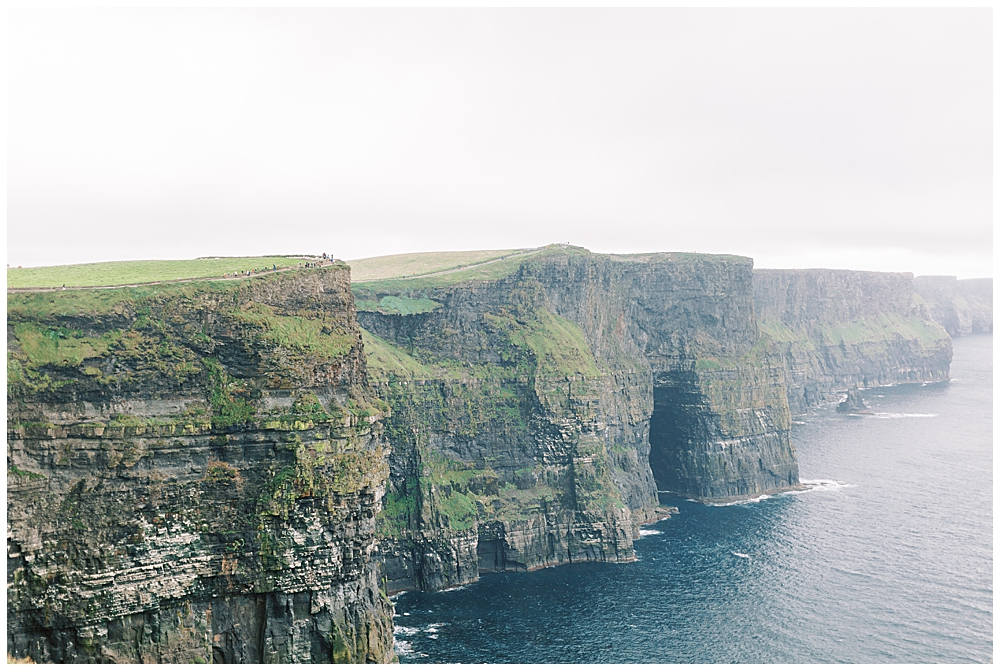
point(961, 306)
point(535, 416)
point(836, 329)
point(193, 475)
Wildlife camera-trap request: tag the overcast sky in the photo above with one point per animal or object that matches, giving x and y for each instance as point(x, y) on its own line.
point(803, 138)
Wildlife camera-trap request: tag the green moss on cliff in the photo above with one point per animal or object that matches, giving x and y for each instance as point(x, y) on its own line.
point(310, 334)
point(399, 305)
point(385, 359)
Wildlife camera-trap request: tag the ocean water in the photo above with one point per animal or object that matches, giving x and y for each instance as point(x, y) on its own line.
point(887, 557)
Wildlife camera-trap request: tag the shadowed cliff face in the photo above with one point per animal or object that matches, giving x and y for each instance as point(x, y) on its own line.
point(193, 475)
point(522, 409)
point(836, 329)
point(961, 306)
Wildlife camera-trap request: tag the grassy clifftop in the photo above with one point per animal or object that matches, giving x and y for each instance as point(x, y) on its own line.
point(115, 273)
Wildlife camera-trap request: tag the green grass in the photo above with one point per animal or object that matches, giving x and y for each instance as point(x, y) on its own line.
point(777, 331)
point(312, 335)
point(486, 271)
point(408, 265)
point(885, 327)
point(383, 358)
point(135, 272)
point(399, 305)
point(882, 328)
point(559, 347)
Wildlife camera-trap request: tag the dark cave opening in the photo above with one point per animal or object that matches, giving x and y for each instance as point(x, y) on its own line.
point(673, 430)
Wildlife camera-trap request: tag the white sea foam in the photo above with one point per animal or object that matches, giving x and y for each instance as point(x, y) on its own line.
point(433, 628)
point(740, 554)
point(819, 485)
point(649, 532)
point(901, 415)
point(405, 649)
point(742, 502)
point(405, 631)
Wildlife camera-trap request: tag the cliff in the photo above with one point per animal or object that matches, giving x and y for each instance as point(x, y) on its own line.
point(840, 328)
point(202, 471)
point(961, 306)
point(537, 411)
point(193, 474)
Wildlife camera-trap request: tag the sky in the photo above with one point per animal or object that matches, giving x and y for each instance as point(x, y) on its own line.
point(839, 138)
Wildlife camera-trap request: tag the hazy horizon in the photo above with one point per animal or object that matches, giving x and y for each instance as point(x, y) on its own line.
point(837, 138)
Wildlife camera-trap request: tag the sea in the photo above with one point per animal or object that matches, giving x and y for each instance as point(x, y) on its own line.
point(886, 556)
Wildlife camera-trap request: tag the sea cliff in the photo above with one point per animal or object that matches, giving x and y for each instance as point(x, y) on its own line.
point(961, 306)
point(193, 473)
point(536, 415)
point(244, 470)
point(836, 329)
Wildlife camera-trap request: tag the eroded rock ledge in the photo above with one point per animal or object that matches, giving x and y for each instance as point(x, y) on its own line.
point(238, 472)
point(193, 475)
point(535, 416)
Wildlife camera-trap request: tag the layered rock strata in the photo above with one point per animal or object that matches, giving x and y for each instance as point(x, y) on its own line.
point(961, 306)
point(536, 415)
point(836, 329)
point(193, 475)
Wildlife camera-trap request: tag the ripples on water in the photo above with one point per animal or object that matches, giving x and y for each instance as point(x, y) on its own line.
point(885, 557)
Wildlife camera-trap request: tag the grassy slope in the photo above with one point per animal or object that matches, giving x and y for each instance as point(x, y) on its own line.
point(407, 265)
point(134, 272)
point(486, 271)
point(877, 329)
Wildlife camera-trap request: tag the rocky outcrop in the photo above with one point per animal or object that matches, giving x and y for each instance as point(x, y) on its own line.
point(193, 474)
point(854, 403)
point(836, 329)
point(536, 415)
point(961, 306)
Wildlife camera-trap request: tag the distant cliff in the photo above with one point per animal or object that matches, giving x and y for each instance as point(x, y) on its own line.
point(193, 473)
point(536, 415)
point(839, 328)
point(961, 306)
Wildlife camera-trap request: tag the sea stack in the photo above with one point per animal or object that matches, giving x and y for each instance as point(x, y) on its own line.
point(853, 404)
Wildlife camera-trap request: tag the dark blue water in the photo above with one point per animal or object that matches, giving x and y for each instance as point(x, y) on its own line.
point(888, 558)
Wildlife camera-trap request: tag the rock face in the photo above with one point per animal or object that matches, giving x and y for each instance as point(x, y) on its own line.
point(536, 415)
point(854, 404)
point(961, 306)
point(840, 328)
point(201, 471)
point(193, 475)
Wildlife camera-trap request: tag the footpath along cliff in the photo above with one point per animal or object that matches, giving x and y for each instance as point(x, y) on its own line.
point(193, 473)
point(243, 470)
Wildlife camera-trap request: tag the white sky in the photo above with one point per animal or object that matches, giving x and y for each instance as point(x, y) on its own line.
point(800, 137)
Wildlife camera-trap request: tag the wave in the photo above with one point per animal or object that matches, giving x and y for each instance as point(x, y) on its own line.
point(805, 486)
point(901, 415)
point(819, 485)
point(740, 554)
point(405, 649)
point(649, 532)
point(741, 502)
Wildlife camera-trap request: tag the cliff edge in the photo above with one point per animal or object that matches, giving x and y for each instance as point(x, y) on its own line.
point(193, 474)
point(836, 329)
